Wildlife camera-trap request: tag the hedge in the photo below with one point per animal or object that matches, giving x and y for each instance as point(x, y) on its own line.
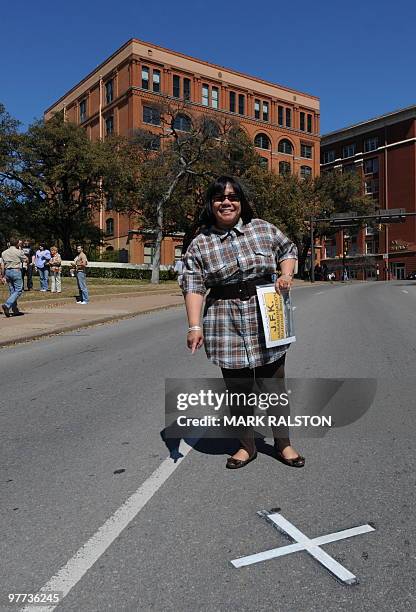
point(127, 273)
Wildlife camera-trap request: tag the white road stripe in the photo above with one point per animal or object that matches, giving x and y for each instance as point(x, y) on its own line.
point(91, 551)
point(319, 292)
point(404, 291)
point(312, 546)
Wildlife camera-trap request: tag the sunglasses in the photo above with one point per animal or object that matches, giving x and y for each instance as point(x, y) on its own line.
point(232, 197)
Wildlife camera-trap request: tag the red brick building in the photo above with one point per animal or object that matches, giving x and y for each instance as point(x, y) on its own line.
point(383, 152)
point(117, 97)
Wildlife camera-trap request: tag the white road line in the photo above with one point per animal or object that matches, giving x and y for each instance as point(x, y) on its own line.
point(319, 292)
point(91, 551)
point(302, 542)
point(404, 291)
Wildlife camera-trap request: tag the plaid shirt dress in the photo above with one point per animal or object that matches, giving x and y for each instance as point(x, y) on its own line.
point(233, 330)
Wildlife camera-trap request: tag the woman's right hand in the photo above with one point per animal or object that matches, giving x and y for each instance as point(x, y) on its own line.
point(194, 340)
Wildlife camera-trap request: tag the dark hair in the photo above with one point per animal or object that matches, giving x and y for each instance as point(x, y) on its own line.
point(207, 217)
point(14, 241)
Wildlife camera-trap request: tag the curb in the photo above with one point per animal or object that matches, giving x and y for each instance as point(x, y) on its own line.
point(109, 319)
point(51, 303)
point(67, 328)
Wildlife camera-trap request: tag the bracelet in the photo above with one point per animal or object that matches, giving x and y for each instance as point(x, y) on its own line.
point(194, 328)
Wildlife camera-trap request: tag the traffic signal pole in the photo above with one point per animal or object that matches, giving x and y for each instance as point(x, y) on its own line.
point(347, 219)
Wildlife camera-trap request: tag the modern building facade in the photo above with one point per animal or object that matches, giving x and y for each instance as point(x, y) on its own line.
point(119, 96)
point(383, 152)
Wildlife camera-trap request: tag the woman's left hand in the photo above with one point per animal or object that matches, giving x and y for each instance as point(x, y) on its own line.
point(283, 283)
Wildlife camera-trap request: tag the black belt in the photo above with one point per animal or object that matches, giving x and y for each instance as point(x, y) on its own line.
point(242, 290)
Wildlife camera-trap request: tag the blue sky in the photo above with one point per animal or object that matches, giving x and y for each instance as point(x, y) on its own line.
point(357, 56)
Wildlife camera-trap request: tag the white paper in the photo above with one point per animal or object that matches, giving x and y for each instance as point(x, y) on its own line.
point(277, 315)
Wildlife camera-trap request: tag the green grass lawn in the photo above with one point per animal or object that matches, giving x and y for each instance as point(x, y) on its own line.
point(96, 286)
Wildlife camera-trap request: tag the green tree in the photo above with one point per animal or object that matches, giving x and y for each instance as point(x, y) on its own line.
point(10, 213)
point(56, 174)
point(163, 187)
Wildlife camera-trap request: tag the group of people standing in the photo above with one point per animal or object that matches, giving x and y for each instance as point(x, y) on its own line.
point(20, 260)
point(48, 264)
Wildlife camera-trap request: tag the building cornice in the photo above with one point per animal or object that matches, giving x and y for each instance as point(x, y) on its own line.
point(153, 53)
point(352, 131)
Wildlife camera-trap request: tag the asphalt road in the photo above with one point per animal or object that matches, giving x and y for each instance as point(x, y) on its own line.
point(78, 407)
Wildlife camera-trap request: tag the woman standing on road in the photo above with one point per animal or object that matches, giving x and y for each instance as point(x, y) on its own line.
point(230, 256)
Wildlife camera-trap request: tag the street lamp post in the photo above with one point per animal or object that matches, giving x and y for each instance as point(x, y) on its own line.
point(312, 250)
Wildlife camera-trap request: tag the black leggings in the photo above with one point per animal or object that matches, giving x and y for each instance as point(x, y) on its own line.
point(232, 379)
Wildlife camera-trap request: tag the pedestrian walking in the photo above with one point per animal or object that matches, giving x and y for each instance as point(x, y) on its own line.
point(178, 269)
point(11, 274)
point(55, 269)
point(42, 257)
point(27, 269)
point(79, 264)
point(232, 254)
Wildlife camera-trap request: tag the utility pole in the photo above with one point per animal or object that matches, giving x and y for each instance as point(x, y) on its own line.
point(312, 227)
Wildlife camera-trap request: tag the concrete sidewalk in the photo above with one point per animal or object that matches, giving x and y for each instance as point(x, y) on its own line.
point(53, 317)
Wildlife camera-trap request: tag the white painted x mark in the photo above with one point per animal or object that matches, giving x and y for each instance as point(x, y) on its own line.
point(302, 542)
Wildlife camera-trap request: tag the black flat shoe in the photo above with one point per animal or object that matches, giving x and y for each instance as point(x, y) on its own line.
point(298, 461)
point(234, 464)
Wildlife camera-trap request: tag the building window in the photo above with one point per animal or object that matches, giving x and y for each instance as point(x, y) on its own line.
point(370, 246)
point(241, 104)
point(349, 150)
point(182, 123)
point(205, 95)
point(176, 86)
point(305, 172)
point(232, 101)
point(262, 141)
point(284, 168)
point(371, 144)
point(280, 111)
point(109, 92)
point(371, 186)
point(211, 128)
point(264, 162)
point(145, 77)
point(214, 97)
point(178, 253)
point(151, 115)
point(371, 165)
point(187, 89)
point(328, 156)
point(109, 227)
point(330, 248)
point(82, 111)
point(265, 111)
point(302, 122)
point(156, 81)
point(288, 117)
point(306, 151)
point(309, 128)
point(348, 168)
point(109, 125)
point(148, 252)
point(285, 146)
point(257, 109)
point(109, 204)
point(152, 142)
